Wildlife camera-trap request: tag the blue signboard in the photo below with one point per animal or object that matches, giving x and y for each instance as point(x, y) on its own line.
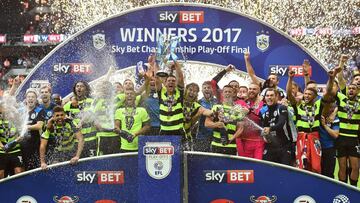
point(160, 171)
point(207, 178)
point(206, 34)
point(234, 179)
point(112, 178)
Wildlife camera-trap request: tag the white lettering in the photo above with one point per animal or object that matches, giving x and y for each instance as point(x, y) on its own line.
point(211, 176)
point(85, 177)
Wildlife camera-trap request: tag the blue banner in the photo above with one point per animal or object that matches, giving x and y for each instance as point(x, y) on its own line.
point(219, 178)
point(113, 178)
point(207, 178)
point(207, 34)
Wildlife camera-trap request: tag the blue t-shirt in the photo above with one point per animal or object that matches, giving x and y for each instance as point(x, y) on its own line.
point(325, 138)
point(153, 109)
point(205, 132)
point(48, 111)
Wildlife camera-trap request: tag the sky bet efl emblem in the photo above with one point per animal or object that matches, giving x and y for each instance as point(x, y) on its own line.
point(262, 40)
point(158, 159)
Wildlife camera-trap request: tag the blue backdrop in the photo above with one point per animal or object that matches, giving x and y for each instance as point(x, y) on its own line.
point(269, 179)
point(63, 180)
point(209, 34)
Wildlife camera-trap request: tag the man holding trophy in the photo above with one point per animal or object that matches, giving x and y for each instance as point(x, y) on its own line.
point(226, 123)
point(171, 93)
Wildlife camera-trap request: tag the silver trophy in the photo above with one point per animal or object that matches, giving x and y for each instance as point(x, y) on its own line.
point(165, 52)
point(235, 113)
point(163, 71)
point(239, 112)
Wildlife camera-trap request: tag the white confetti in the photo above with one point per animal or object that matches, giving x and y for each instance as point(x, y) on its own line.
point(74, 15)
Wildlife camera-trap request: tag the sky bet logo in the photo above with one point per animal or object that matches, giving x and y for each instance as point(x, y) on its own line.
point(182, 17)
point(159, 150)
point(100, 177)
point(282, 70)
point(72, 68)
point(229, 176)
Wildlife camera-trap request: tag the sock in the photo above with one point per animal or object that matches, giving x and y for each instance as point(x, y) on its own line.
point(353, 182)
point(344, 181)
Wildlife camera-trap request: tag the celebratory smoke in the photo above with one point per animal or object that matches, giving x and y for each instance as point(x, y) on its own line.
point(74, 15)
point(16, 113)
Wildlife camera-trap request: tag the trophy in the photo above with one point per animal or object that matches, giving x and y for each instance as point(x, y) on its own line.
point(239, 112)
point(166, 51)
point(225, 119)
point(233, 114)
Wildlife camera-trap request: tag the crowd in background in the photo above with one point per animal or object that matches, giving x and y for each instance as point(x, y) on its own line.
point(19, 18)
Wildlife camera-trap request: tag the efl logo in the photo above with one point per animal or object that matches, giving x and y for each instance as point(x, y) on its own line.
point(299, 70)
point(182, 17)
point(229, 176)
point(100, 177)
point(73, 68)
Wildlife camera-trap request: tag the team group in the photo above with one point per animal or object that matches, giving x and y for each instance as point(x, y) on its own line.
point(297, 128)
